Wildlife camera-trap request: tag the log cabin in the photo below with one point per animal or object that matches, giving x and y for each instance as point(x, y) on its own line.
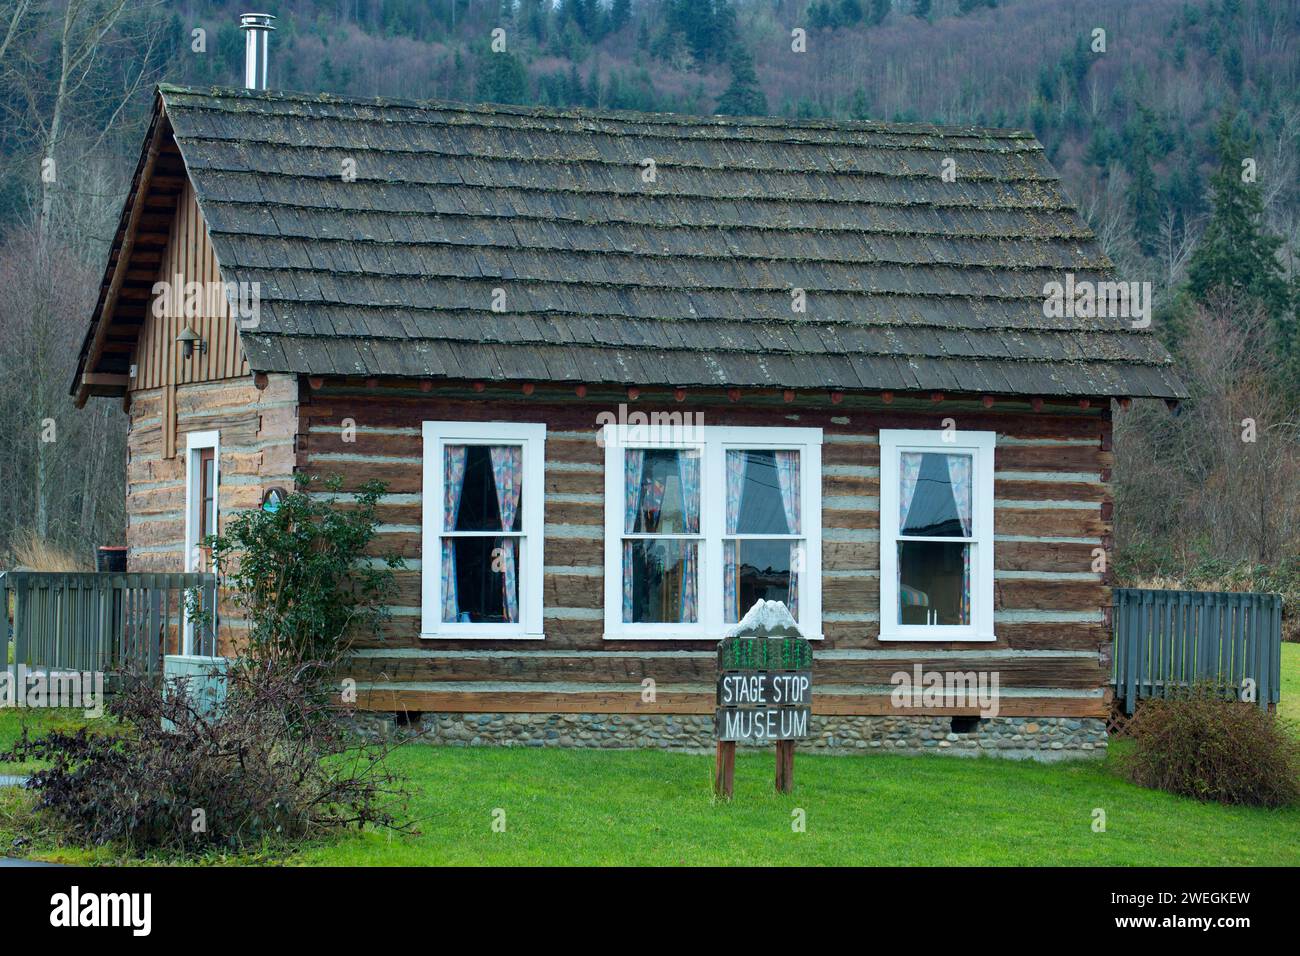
point(626, 374)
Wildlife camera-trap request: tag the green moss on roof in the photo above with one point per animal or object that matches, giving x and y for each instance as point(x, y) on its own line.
point(911, 282)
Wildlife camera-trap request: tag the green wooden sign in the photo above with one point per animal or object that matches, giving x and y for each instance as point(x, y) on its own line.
point(764, 679)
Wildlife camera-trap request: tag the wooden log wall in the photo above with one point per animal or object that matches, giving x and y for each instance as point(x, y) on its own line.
point(257, 428)
point(1052, 510)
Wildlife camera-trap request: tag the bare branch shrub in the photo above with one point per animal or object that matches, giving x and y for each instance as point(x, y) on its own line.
point(1218, 483)
point(275, 767)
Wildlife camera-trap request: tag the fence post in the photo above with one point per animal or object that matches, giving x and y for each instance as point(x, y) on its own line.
point(1119, 607)
point(1255, 645)
point(1275, 642)
point(1137, 620)
point(20, 617)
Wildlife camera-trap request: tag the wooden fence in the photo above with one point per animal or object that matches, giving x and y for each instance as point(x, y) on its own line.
point(105, 621)
point(1169, 640)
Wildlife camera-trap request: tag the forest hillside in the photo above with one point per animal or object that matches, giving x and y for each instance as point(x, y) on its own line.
point(1173, 123)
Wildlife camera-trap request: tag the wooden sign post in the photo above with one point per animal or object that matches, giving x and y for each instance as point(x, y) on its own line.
point(764, 692)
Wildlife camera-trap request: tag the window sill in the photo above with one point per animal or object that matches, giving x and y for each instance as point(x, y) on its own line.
point(711, 638)
point(895, 637)
point(480, 636)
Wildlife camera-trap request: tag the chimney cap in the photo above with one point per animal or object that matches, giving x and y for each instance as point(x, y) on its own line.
point(256, 21)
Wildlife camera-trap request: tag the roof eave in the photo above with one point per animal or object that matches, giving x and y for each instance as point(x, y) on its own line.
point(85, 381)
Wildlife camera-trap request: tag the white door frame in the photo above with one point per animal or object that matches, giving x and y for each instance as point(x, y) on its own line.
point(194, 443)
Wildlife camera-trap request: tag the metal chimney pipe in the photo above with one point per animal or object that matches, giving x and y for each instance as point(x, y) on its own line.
point(257, 32)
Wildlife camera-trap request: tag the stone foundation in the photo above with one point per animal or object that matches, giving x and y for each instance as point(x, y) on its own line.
point(1033, 738)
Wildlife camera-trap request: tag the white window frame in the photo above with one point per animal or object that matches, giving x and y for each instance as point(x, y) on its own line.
point(714, 441)
point(196, 442)
point(532, 439)
point(980, 445)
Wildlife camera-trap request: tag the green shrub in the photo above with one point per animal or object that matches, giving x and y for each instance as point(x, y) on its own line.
point(299, 575)
point(1212, 749)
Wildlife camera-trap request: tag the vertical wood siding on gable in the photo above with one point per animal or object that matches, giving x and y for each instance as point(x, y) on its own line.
point(158, 359)
point(1051, 512)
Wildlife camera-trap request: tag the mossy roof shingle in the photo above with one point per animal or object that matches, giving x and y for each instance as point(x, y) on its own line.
point(497, 242)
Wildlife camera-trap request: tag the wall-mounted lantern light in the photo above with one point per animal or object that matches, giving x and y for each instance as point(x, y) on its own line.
point(189, 340)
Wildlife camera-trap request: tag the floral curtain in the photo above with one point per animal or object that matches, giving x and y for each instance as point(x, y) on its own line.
point(688, 472)
point(508, 476)
point(736, 461)
point(729, 584)
point(652, 500)
point(909, 473)
point(690, 603)
point(965, 584)
point(633, 465)
point(787, 476)
point(959, 476)
point(453, 483)
point(735, 488)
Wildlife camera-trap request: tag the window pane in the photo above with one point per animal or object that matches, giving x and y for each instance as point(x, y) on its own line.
point(934, 495)
point(206, 515)
point(756, 570)
point(661, 491)
point(763, 492)
point(660, 582)
point(483, 484)
point(480, 580)
point(933, 582)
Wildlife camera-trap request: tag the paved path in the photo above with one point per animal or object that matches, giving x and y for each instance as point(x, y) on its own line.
point(9, 861)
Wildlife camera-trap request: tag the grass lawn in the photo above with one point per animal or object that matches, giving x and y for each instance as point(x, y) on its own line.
point(654, 808)
point(1289, 705)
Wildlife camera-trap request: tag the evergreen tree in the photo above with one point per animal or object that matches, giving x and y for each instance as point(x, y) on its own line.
point(743, 97)
point(573, 94)
point(861, 108)
point(706, 26)
point(1235, 254)
point(620, 13)
point(501, 79)
point(851, 11)
point(1142, 195)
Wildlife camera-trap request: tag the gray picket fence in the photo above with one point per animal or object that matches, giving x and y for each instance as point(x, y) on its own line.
point(105, 621)
point(1166, 641)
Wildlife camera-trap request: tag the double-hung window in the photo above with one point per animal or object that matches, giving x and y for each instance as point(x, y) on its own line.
point(936, 535)
point(701, 522)
point(481, 555)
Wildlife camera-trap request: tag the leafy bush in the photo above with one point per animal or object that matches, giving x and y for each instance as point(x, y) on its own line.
point(1212, 749)
point(276, 766)
point(299, 576)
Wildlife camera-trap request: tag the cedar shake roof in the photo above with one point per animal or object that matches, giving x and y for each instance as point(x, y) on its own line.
point(911, 282)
